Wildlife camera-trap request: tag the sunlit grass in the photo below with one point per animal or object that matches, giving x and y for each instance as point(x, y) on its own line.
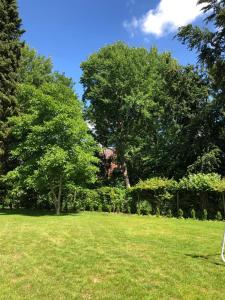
point(109, 256)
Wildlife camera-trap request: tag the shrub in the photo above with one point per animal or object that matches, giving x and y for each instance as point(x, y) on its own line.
point(169, 213)
point(91, 199)
point(199, 182)
point(100, 207)
point(180, 213)
point(205, 215)
point(115, 197)
point(155, 184)
point(144, 208)
point(219, 216)
point(109, 208)
point(157, 212)
point(157, 191)
point(193, 214)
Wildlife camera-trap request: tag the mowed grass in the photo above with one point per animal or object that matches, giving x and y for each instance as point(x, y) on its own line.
point(109, 256)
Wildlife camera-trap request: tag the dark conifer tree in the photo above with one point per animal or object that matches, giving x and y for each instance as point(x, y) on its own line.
point(10, 47)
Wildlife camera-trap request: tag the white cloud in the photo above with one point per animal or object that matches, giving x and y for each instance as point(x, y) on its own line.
point(131, 26)
point(166, 17)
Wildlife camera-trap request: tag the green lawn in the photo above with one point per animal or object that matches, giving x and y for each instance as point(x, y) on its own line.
point(109, 256)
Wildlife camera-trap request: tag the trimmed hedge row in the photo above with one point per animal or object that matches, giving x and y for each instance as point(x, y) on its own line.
point(196, 196)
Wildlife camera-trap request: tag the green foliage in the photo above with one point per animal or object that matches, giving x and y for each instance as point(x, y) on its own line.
point(100, 207)
point(10, 48)
point(157, 191)
point(169, 213)
point(209, 45)
point(155, 184)
point(144, 208)
point(54, 145)
point(199, 182)
point(107, 199)
point(90, 199)
point(219, 186)
point(207, 162)
point(180, 213)
point(34, 69)
point(109, 208)
point(219, 216)
point(157, 211)
point(130, 91)
point(193, 214)
point(116, 88)
point(205, 215)
point(113, 197)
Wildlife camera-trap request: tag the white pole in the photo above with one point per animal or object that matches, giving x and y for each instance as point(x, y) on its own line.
point(223, 248)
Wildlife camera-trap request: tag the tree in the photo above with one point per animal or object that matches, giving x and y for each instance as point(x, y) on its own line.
point(121, 89)
point(210, 45)
point(10, 47)
point(54, 147)
point(147, 106)
point(184, 137)
point(34, 69)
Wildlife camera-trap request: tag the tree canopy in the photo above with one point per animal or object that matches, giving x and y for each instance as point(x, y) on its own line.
point(10, 48)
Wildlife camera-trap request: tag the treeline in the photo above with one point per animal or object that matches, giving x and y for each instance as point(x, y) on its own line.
point(197, 196)
point(162, 120)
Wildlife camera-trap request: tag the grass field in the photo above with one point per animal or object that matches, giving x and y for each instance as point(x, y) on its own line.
point(109, 256)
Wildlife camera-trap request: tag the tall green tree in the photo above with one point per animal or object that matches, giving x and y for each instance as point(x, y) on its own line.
point(10, 48)
point(34, 69)
point(54, 147)
point(209, 41)
point(146, 106)
point(120, 86)
point(175, 140)
point(210, 45)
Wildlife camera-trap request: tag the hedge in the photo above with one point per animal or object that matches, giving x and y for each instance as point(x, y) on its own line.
point(199, 196)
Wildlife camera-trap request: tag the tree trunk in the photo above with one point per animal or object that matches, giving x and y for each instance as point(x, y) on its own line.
point(58, 210)
point(178, 201)
point(57, 199)
point(54, 197)
point(125, 175)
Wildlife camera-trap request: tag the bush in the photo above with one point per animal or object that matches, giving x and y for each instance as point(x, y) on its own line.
point(180, 213)
point(115, 197)
point(157, 212)
point(157, 191)
point(109, 208)
point(100, 207)
point(205, 215)
point(193, 214)
point(169, 213)
point(219, 216)
point(144, 208)
point(199, 182)
point(156, 195)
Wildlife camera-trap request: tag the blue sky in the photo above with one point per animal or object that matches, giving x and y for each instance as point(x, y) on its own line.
point(69, 31)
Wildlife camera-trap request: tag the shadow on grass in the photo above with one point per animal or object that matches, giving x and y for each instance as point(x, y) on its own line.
point(207, 258)
point(33, 213)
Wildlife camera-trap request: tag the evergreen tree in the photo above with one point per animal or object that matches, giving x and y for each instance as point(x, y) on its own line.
point(209, 43)
point(10, 46)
